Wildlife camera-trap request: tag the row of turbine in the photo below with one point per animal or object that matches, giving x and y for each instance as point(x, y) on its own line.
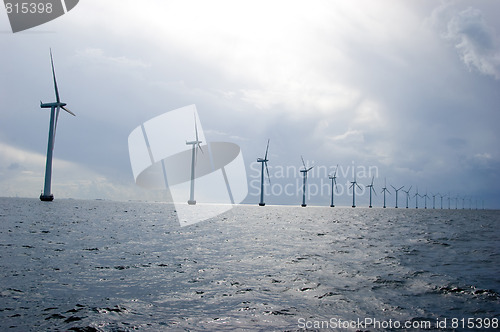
point(354, 184)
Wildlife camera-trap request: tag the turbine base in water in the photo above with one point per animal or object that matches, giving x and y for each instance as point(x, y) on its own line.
point(262, 204)
point(303, 205)
point(332, 205)
point(48, 198)
point(190, 202)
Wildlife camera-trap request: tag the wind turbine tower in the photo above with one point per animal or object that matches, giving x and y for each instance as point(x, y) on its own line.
point(407, 195)
point(194, 154)
point(263, 161)
point(371, 189)
point(334, 184)
point(304, 174)
point(354, 184)
point(55, 107)
point(397, 190)
point(385, 190)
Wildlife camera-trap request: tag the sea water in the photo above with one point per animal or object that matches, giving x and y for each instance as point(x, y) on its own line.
point(75, 265)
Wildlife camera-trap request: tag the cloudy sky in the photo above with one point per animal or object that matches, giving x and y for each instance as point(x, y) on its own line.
point(407, 89)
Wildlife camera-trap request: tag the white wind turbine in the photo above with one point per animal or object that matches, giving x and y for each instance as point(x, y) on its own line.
point(434, 200)
point(304, 174)
point(54, 115)
point(417, 195)
point(263, 162)
point(441, 196)
point(354, 184)
point(425, 197)
point(407, 195)
point(371, 189)
point(397, 190)
point(194, 155)
point(384, 190)
point(334, 184)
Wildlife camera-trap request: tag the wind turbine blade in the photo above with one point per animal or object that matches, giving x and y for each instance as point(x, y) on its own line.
point(67, 110)
point(401, 187)
point(358, 186)
point(303, 163)
point(54, 75)
point(409, 188)
point(195, 127)
point(336, 168)
point(199, 147)
point(372, 180)
point(335, 185)
point(393, 187)
point(267, 170)
point(267, 149)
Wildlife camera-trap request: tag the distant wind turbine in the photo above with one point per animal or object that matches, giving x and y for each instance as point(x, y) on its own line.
point(407, 195)
point(354, 184)
point(449, 200)
point(263, 162)
point(417, 195)
point(397, 190)
point(304, 175)
point(194, 155)
point(385, 190)
point(434, 200)
point(441, 200)
point(334, 184)
point(371, 189)
point(425, 197)
point(54, 115)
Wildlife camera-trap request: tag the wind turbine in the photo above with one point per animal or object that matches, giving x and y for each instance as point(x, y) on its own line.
point(449, 200)
point(384, 190)
point(304, 174)
point(416, 198)
point(397, 190)
point(425, 199)
point(334, 184)
point(194, 154)
point(407, 195)
point(263, 162)
point(441, 200)
point(371, 189)
point(54, 115)
point(434, 200)
point(353, 184)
